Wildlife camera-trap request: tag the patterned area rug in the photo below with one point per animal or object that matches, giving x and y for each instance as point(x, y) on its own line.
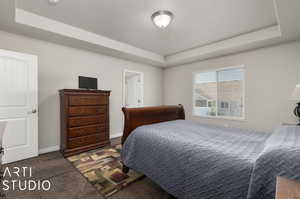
point(103, 169)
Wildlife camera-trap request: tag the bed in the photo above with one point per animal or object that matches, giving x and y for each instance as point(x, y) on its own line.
point(191, 160)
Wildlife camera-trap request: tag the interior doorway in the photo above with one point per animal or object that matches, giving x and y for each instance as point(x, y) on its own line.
point(133, 85)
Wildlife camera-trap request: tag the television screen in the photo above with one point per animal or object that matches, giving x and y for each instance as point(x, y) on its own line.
point(88, 82)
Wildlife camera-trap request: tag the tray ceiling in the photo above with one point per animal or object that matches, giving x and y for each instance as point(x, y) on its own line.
point(196, 23)
point(202, 29)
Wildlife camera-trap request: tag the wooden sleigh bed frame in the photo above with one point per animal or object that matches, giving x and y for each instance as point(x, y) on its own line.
point(135, 117)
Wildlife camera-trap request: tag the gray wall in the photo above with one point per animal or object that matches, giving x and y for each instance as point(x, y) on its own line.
point(271, 75)
point(59, 67)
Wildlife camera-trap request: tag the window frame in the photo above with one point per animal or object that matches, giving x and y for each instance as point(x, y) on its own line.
point(243, 117)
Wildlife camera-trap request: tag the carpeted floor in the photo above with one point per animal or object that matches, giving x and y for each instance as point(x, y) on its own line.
point(103, 169)
point(68, 183)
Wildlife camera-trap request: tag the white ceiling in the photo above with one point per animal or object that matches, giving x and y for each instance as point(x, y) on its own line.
point(201, 29)
point(196, 22)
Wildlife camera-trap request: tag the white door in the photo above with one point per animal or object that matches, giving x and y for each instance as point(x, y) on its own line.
point(18, 105)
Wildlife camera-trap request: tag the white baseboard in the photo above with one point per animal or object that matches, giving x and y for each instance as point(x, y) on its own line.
point(115, 135)
point(49, 149)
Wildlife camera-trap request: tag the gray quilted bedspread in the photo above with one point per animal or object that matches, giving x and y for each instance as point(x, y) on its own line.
point(280, 157)
point(196, 161)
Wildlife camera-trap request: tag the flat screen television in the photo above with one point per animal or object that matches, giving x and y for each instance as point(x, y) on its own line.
point(88, 82)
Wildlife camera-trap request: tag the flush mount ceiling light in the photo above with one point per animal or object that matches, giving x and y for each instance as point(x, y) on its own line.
point(162, 18)
point(53, 2)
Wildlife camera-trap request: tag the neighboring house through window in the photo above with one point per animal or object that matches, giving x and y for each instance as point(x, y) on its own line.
point(219, 93)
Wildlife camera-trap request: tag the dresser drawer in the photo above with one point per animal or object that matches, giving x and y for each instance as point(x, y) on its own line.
point(86, 140)
point(86, 110)
point(86, 130)
point(87, 120)
point(87, 100)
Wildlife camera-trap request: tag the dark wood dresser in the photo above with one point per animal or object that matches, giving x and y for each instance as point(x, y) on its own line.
point(84, 120)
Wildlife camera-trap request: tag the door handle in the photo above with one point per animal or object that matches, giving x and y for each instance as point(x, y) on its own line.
point(33, 111)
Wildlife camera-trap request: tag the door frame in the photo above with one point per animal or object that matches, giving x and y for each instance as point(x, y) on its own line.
point(124, 85)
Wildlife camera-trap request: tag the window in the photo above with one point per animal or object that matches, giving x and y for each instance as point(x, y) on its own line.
point(201, 103)
point(224, 105)
point(219, 93)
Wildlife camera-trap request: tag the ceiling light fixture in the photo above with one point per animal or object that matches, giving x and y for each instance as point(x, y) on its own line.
point(53, 2)
point(162, 18)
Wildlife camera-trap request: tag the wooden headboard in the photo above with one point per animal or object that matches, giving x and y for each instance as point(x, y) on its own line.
point(135, 117)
